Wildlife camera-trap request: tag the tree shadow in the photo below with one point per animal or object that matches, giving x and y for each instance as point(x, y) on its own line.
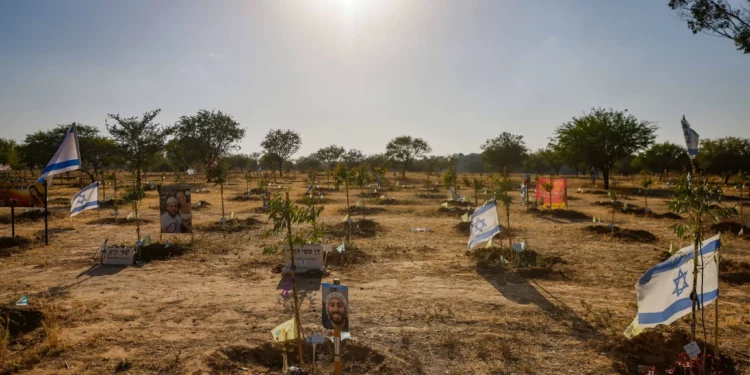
point(522, 291)
point(101, 270)
point(306, 284)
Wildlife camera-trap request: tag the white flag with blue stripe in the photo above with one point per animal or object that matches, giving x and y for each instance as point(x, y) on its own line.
point(664, 291)
point(691, 138)
point(484, 224)
point(86, 199)
point(67, 158)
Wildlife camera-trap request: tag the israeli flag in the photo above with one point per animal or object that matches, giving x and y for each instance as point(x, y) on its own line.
point(378, 185)
point(691, 138)
point(86, 199)
point(67, 158)
point(664, 291)
point(191, 172)
point(484, 224)
point(309, 188)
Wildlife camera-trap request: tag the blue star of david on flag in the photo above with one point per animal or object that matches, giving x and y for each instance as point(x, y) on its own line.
point(86, 199)
point(484, 224)
point(665, 291)
point(479, 225)
point(681, 276)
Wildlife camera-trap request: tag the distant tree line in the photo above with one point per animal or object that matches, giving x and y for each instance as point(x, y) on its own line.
point(604, 140)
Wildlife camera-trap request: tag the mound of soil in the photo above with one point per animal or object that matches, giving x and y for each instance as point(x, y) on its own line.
point(436, 196)
point(734, 272)
point(266, 358)
point(362, 228)
point(257, 191)
point(638, 211)
point(352, 255)
point(595, 192)
point(390, 201)
point(633, 235)
point(230, 226)
point(119, 221)
point(13, 245)
point(463, 228)
point(201, 205)
point(731, 227)
point(245, 198)
point(109, 203)
point(527, 263)
point(454, 211)
point(23, 319)
point(157, 251)
point(369, 195)
point(654, 348)
point(368, 210)
point(462, 204)
point(306, 200)
point(570, 215)
point(62, 202)
point(33, 215)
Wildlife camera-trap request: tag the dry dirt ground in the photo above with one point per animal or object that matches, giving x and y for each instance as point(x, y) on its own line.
point(419, 304)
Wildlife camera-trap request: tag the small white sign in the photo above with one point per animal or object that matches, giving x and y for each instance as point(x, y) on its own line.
point(692, 350)
point(306, 258)
point(121, 256)
point(315, 339)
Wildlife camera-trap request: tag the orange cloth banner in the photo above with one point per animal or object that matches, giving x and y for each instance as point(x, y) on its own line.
point(559, 193)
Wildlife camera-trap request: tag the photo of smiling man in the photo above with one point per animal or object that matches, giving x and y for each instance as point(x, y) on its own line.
point(175, 210)
point(336, 307)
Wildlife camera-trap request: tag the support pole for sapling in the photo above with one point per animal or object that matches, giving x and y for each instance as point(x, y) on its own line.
point(46, 231)
point(337, 344)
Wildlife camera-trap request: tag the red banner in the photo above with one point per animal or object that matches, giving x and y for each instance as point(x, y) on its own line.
point(559, 193)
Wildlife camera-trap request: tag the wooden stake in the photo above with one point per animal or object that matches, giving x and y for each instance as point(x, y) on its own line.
point(297, 323)
point(337, 344)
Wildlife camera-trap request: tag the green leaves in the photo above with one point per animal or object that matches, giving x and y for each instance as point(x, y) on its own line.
point(604, 136)
point(342, 176)
point(502, 192)
point(284, 214)
point(718, 18)
point(701, 201)
point(504, 151)
point(405, 149)
point(133, 194)
point(362, 175)
point(449, 177)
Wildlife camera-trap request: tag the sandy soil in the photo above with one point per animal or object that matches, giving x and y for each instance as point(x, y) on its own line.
point(419, 304)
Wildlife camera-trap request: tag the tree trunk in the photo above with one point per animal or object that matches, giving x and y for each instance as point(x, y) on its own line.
point(726, 178)
point(221, 190)
point(348, 214)
point(605, 176)
point(297, 322)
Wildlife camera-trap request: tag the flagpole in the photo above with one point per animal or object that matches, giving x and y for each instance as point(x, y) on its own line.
point(46, 187)
point(716, 307)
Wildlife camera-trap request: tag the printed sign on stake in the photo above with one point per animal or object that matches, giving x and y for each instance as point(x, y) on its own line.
point(336, 307)
point(306, 258)
point(692, 350)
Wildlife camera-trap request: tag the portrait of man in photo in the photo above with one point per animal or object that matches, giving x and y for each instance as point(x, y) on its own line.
point(336, 307)
point(170, 220)
point(175, 209)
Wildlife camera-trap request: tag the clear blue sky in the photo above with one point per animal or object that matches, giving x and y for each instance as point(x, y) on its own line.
point(358, 73)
